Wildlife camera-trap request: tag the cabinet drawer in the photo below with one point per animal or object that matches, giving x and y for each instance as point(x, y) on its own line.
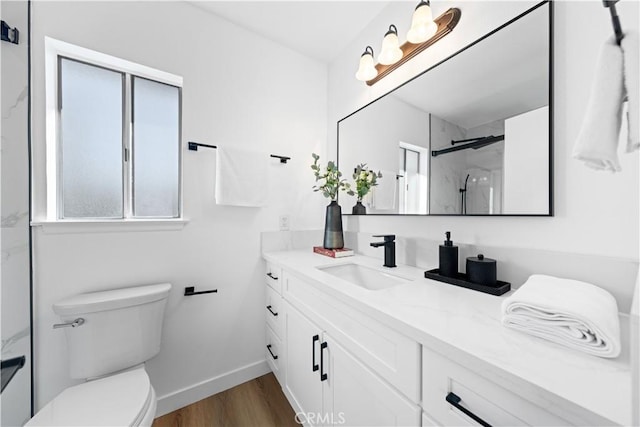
point(273, 277)
point(488, 401)
point(274, 311)
point(393, 356)
point(273, 352)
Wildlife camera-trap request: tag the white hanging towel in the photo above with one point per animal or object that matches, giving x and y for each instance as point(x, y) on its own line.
point(616, 79)
point(568, 312)
point(241, 177)
point(383, 197)
point(631, 50)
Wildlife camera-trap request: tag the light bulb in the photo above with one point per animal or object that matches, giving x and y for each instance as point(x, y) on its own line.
point(390, 53)
point(366, 70)
point(422, 25)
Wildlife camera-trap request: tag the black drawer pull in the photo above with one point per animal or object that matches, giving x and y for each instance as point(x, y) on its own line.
point(272, 276)
point(271, 311)
point(323, 374)
point(454, 399)
point(314, 365)
point(271, 352)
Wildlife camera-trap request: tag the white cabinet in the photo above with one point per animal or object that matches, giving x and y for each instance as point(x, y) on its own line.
point(455, 396)
point(356, 396)
point(274, 307)
point(274, 345)
point(302, 384)
point(330, 386)
point(274, 354)
point(389, 354)
point(272, 277)
point(340, 364)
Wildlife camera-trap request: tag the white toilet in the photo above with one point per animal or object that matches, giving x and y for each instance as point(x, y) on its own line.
point(116, 332)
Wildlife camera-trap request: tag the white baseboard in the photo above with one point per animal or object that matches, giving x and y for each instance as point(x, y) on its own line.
point(188, 395)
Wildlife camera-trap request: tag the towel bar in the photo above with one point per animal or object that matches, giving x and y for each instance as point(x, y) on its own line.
point(615, 19)
point(193, 146)
point(190, 291)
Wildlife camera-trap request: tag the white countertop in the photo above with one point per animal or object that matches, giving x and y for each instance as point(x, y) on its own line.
point(465, 325)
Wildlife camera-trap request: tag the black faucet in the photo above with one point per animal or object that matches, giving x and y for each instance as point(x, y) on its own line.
point(389, 249)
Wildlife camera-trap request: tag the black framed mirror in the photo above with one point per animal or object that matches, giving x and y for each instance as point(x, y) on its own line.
point(471, 135)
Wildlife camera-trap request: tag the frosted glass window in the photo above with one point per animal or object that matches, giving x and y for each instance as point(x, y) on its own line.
point(156, 149)
point(91, 111)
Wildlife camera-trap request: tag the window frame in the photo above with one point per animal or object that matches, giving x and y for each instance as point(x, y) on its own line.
point(55, 51)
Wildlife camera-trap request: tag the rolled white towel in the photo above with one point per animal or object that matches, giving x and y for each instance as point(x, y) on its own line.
point(568, 312)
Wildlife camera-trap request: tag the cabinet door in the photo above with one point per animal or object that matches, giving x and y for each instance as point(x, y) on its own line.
point(303, 384)
point(453, 395)
point(354, 395)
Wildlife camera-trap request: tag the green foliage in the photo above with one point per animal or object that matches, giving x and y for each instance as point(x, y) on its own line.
point(365, 179)
point(332, 177)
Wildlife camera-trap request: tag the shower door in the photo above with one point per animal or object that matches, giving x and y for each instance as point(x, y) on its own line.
point(15, 305)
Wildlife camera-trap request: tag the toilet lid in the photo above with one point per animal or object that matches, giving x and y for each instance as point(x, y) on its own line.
point(118, 400)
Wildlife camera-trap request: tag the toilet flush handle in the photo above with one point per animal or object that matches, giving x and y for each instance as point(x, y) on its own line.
point(78, 322)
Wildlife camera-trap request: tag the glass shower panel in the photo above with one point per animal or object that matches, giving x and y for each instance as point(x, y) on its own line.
point(156, 149)
point(91, 121)
point(15, 305)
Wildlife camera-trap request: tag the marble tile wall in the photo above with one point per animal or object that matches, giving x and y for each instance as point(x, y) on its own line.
point(15, 318)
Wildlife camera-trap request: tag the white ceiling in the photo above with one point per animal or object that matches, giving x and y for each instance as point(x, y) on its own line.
point(318, 29)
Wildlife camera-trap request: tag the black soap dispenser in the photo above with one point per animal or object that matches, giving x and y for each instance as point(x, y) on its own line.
point(448, 258)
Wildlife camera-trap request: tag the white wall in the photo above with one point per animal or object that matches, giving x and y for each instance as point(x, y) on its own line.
point(595, 213)
point(239, 89)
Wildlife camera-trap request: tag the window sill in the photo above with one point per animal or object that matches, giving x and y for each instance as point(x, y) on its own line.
point(109, 226)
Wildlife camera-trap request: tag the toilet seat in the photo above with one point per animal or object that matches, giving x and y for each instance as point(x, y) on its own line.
point(125, 399)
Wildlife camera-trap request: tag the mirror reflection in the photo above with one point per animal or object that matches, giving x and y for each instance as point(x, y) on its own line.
point(468, 137)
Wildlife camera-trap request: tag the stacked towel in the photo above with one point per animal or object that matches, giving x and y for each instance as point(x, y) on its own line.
point(575, 314)
point(616, 80)
point(241, 177)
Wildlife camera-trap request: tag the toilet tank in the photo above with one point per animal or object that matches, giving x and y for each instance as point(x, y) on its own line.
point(122, 328)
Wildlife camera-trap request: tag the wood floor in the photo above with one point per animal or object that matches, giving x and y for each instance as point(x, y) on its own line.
point(259, 402)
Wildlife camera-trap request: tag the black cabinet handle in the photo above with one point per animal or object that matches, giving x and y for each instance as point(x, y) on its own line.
point(271, 311)
point(323, 374)
point(271, 352)
point(454, 399)
point(272, 276)
point(314, 365)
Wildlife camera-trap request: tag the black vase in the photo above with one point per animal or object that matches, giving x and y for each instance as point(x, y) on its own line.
point(333, 238)
point(359, 209)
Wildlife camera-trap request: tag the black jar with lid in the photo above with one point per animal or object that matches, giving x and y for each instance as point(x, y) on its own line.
point(482, 271)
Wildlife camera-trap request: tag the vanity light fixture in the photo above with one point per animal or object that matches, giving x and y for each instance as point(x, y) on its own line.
point(367, 69)
point(390, 53)
point(422, 25)
point(392, 56)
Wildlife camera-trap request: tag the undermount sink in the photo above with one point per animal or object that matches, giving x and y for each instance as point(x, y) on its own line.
point(365, 277)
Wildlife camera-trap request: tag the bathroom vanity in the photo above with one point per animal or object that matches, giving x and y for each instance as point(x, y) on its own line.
point(354, 343)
